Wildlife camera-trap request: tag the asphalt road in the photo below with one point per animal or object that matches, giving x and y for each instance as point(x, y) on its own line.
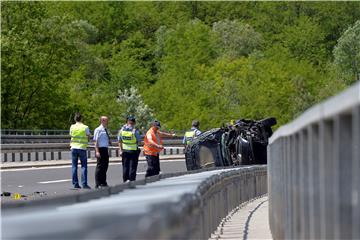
point(57, 180)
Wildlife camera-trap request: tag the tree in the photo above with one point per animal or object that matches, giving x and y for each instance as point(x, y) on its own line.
point(347, 52)
point(38, 52)
point(235, 38)
point(134, 105)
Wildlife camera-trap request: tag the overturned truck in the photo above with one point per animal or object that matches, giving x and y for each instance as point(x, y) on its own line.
point(243, 143)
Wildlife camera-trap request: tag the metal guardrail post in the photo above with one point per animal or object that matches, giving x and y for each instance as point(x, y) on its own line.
point(355, 196)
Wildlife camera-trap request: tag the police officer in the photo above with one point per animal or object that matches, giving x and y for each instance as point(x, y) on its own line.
point(129, 139)
point(102, 142)
point(153, 145)
point(193, 133)
point(80, 134)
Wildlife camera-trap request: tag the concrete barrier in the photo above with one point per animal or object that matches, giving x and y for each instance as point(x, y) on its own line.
point(314, 172)
point(186, 206)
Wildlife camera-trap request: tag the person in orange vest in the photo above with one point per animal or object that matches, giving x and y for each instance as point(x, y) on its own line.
point(153, 145)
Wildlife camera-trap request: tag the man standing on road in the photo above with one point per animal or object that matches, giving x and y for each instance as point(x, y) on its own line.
point(102, 142)
point(193, 133)
point(129, 139)
point(80, 134)
point(153, 145)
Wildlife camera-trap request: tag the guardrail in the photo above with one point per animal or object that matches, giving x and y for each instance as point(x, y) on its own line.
point(24, 139)
point(314, 172)
point(50, 132)
point(60, 151)
point(23, 132)
point(184, 207)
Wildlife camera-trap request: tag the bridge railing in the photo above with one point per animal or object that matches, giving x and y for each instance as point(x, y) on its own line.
point(61, 151)
point(188, 206)
point(314, 172)
point(19, 139)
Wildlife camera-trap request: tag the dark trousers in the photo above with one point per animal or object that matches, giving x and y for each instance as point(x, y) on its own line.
point(129, 163)
point(153, 165)
point(102, 167)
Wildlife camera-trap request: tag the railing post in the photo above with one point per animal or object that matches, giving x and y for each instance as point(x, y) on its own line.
point(327, 181)
point(313, 183)
point(355, 198)
point(343, 141)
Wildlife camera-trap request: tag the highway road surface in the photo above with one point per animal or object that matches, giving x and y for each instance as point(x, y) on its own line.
point(56, 180)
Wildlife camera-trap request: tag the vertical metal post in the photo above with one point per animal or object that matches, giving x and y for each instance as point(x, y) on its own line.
point(313, 183)
point(355, 198)
point(343, 157)
point(327, 181)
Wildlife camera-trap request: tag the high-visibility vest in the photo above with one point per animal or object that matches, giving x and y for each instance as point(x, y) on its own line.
point(79, 139)
point(149, 149)
point(128, 139)
point(189, 136)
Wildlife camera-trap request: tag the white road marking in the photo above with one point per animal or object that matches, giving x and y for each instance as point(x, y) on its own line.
point(55, 181)
point(69, 166)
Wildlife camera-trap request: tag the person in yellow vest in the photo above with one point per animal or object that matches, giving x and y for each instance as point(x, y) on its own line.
point(193, 133)
point(153, 145)
point(129, 139)
point(80, 134)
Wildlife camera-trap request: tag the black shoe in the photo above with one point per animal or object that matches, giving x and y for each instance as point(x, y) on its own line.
point(77, 186)
point(103, 186)
point(86, 187)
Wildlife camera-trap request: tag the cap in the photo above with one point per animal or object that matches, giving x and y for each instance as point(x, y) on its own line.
point(195, 123)
point(156, 123)
point(130, 118)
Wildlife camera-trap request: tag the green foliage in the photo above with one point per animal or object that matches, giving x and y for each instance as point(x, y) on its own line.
point(347, 52)
point(236, 39)
point(38, 53)
point(174, 61)
point(132, 101)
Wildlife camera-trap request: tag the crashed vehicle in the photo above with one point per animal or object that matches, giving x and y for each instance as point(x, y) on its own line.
point(242, 143)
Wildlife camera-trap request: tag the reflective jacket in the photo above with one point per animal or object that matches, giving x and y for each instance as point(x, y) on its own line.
point(150, 149)
point(128, 140)
point(79, 139)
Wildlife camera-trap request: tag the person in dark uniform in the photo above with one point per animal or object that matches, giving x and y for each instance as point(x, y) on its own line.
point(102, 142)
point(129, 139)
